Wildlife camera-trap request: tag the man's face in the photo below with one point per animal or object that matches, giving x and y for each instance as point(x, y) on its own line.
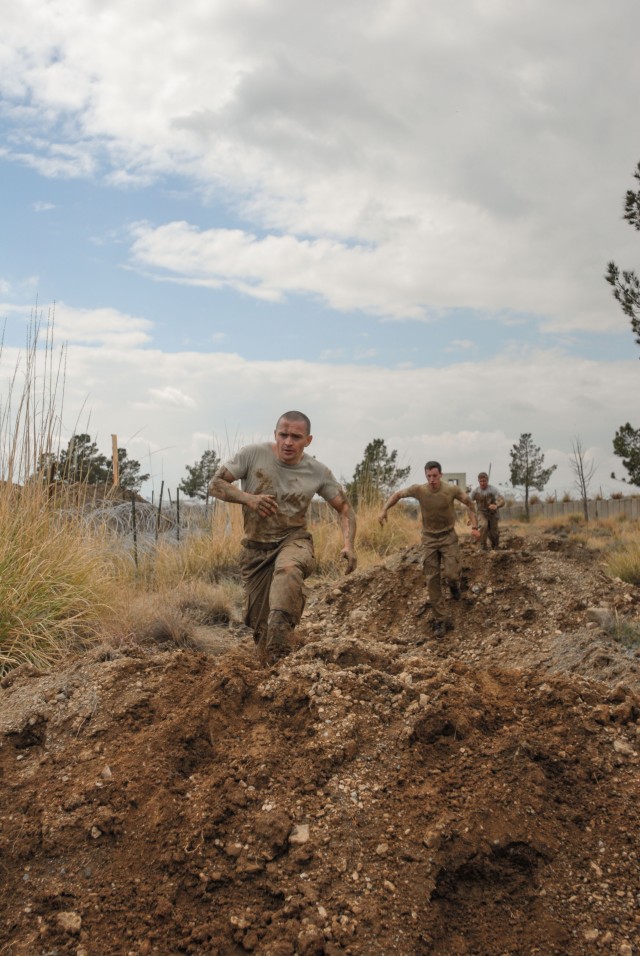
point(291, 441)
point(434, 478)
point(484, 481)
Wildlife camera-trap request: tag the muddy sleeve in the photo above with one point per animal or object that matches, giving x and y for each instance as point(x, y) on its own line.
point(330, 487)
point(240, 463)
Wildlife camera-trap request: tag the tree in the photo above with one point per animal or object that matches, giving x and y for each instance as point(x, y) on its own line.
point(81, 461)
point(626, 289)
point(527, 468)
point(626, 445)
point(200, 474)
point(626, 442)
point(583, 471)
point(129, 477)
point(377, 475)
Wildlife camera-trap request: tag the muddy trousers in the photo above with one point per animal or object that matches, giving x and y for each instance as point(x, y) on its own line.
point(488, 522)
point(273, 576)
point(441, 561)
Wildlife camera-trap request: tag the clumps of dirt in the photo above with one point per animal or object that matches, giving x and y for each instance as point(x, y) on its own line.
point(377, 792)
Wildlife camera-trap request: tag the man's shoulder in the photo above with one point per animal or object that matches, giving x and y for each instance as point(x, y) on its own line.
point(247, 456)
point(416, 491)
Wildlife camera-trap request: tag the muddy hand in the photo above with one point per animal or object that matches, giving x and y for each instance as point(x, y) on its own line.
point(265, 505)
point(351, 559)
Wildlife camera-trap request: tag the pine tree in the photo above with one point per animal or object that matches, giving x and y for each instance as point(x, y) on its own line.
point(527, 467)
point(377, 475)
point(626, 442)
point(626, 445)
point(199, 475)
point(626, 285)
point(81, 461)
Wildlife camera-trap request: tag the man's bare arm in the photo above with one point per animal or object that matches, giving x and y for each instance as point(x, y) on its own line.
point(222, 487)
point(391, 501)
point(342, 505)
point(471, 507)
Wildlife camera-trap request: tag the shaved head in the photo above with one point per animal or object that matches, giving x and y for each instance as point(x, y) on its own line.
point(296, 417)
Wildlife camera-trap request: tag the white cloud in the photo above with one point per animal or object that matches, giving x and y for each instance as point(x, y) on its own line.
point(401, 158)
point(172, 396)
point(107, 326)
point(172, 406)
point(460, 344)
point(42, 206)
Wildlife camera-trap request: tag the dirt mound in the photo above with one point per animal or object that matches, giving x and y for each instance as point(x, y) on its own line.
point(378, 792)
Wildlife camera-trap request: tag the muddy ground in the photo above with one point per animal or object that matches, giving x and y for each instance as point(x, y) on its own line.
point(378, 792)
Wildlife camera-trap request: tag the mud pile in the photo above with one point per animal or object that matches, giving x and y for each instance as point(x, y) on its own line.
point(377, 792)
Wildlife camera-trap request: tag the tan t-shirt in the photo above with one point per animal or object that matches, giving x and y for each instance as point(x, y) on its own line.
point(484, 497)
point(293, 486)
point(436, 507)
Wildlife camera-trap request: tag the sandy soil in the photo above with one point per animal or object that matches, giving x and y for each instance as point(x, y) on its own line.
point(378, 792)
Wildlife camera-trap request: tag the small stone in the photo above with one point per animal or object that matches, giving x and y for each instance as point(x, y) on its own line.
point(432, 840)
point(626, 949)
point(69, 921)
point(602, 616)
point(96, 832)
point(388, 885)
point(591, 935)
point(382, 849)
point(106, 773)
point(622, 746)
point(299, 834)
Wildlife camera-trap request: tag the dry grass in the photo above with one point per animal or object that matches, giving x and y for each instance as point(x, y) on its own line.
point(172, 615)
point(616, 539)
point(373, 541)
point(207, 553)
point(624, 560)
point(54, 580)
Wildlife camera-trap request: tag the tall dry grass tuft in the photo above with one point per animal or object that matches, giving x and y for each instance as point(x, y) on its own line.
point(53, 576)
point(54, 581)
point(624, 561)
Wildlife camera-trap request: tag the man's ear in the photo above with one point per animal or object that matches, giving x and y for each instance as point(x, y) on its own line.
point(308, 441)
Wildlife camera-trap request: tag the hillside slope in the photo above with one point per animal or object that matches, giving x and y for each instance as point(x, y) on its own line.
point(377, 792)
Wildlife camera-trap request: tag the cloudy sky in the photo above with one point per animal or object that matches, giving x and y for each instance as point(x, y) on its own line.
point(394, 215)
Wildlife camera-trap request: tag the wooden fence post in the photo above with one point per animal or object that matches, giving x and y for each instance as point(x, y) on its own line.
point(114, 458)
point(159, 509)
point(135, 532)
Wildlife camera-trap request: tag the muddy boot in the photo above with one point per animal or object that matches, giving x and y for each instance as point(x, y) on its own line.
point(277, 641)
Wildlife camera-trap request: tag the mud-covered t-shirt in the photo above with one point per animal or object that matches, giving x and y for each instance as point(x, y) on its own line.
point(484, 497)
point(436, 507)
point(293, 487)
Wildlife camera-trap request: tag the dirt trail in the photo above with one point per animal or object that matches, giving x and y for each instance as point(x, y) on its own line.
point(377, 793)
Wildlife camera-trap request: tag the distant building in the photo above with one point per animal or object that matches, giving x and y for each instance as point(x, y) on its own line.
point(455, 478)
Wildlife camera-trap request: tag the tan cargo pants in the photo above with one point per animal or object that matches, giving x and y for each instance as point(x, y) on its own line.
point(273, 576)
point(488, 522)
point(441, 560)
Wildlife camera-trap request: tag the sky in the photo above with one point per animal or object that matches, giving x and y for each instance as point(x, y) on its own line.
point(393, 215)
